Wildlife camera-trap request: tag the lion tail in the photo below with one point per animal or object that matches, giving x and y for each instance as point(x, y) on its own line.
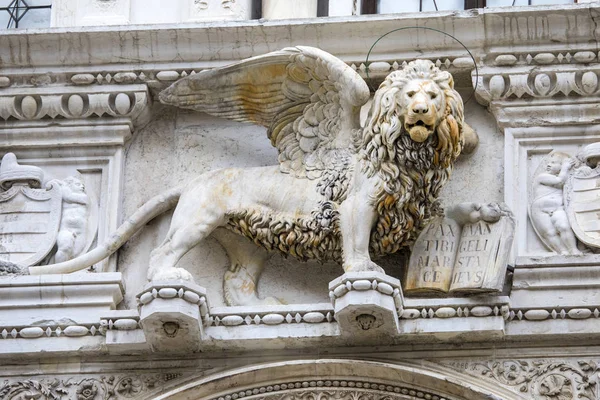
point(151, 209)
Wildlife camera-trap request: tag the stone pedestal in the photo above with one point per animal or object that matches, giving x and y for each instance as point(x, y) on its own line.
point(50, 301)
point(55, 314)
point(555, 295)
point(366, 303)
point(171, 315)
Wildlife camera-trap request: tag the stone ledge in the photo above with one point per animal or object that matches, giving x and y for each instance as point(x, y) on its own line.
point(543, 310)
point(564, 283)
point(58, 300)
point(10, 281)
point(589, 260)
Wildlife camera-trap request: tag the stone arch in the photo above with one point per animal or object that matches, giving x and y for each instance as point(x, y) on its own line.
point(345, 378)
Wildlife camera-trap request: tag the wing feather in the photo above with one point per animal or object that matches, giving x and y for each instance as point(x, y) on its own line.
point(308, 99)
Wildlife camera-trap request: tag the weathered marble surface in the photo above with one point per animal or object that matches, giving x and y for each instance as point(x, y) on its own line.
point(507, 345)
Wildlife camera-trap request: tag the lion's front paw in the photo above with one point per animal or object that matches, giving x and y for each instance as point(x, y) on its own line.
point(170, 274)
point(491, 212)
point(366, 265)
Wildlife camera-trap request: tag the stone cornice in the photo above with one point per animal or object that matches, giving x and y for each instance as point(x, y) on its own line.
point(158, 54)
point(128, 101)
point(525, 90)
point(56, 115)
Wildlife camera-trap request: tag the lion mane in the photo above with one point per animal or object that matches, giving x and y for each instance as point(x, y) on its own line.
point(412, 174)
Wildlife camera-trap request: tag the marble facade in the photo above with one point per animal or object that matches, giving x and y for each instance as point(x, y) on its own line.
point(84, 102)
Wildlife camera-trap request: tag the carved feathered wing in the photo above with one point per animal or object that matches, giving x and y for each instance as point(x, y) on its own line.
point(308, 99)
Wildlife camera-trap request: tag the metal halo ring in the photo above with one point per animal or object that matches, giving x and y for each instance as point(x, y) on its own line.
point(429, 29)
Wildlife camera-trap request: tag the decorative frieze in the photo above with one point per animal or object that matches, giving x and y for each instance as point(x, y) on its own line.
point(539, 82)
point(146, 74)
point(455, 312)
point(71, 103)
point(554, 313)
point(33, 332)
point(547, 379)
point(115, 386)
point(545, 58)
point(272, 318)
point(119, 324)
point(172, 292)
point(337, 389)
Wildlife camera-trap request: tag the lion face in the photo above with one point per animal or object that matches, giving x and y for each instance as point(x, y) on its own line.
point(423, 103)
point(414, 104)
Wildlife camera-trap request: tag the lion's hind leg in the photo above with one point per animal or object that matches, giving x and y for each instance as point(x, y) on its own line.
point(184, 234)
point(247, 260)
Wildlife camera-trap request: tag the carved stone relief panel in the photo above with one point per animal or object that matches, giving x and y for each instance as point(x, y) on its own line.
point(564, 201)
point(148, 385)
point(535, 156)
point(327, 201)
point(543, 379)
point(113, 386)
point(582, 197)
point(45, 219)
point(86, 204)
point(547, 211)
point(545, 102)
point(75, 136)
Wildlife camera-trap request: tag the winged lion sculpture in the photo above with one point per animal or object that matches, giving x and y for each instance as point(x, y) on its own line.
point(340, 192)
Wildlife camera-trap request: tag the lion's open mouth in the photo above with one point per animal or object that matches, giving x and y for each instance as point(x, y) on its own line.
point(419, 131)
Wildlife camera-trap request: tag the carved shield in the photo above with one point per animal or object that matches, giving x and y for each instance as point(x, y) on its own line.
point(29, 222)
point(582, 201)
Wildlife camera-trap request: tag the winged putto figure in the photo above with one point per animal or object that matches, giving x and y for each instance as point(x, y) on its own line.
point(563, 201)
point(340, 192)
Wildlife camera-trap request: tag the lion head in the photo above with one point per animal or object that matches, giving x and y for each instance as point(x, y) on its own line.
point(412, 137)
point(418, 102)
